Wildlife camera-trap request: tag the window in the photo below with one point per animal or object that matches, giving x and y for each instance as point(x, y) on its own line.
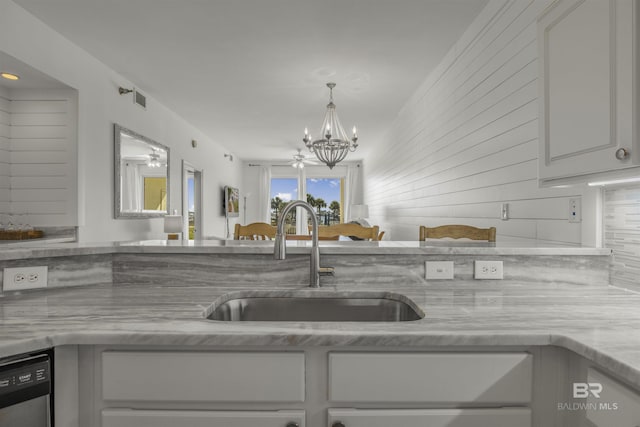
point(323, 189)
point(283, 190)
point(326, 195)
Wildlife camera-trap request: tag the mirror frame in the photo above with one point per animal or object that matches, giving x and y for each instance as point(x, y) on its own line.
point(118, 214)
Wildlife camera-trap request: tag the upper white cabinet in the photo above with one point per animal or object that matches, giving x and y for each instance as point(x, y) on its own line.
point(586, 89)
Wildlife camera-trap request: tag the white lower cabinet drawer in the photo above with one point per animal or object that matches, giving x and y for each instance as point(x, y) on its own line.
point(609, 403)
point(203, 376)
point(431, 377)
point(501, 417)
point(159, 418)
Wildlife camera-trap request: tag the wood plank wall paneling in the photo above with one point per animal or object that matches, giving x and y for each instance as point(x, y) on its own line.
point(41, 176)
point(467, 141)
point(5, 153)
point(622, 235)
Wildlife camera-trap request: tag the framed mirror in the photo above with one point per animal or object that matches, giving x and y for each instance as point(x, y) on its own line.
point(141, 175)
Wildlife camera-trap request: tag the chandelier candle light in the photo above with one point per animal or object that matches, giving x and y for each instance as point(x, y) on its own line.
point(335, 145)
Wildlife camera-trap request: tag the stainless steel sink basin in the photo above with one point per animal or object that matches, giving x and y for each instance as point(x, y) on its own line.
point(317, 307)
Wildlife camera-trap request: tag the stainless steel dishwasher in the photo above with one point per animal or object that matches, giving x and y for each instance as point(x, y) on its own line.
point(26, 390)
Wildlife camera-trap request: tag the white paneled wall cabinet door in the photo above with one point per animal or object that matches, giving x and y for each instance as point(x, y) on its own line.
point(586, 90)
point(159, 418)
point(499, 417)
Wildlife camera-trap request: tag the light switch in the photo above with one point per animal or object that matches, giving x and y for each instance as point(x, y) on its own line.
point(439, 270)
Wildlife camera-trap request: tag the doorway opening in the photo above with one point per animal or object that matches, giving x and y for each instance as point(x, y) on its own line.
point(191, 201)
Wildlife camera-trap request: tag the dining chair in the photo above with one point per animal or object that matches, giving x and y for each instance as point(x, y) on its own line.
point(254, 231)
point(308, 237)
point(348, 230)
point(456, 231)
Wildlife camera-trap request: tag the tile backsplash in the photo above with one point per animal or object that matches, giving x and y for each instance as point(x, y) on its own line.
point(622, 235)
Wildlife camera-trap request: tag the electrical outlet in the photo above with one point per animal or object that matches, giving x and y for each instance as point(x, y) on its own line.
point(438, 270)
point(575, 214)
point(488, 270)
point(19, 278)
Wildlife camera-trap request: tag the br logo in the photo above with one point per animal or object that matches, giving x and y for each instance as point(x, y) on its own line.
point(583, 390)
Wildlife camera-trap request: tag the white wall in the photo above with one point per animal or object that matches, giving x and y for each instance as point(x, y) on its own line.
point(99, 106)
point(467, 141)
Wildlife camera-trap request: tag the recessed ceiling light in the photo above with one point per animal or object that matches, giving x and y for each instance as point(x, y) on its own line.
point(10, 76)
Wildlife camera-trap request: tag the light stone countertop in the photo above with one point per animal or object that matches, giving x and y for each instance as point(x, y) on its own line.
point(507, 247)
point(598, 322)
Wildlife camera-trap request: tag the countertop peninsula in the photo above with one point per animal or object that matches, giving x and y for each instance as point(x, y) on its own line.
point(600, 323)
point(594, 320)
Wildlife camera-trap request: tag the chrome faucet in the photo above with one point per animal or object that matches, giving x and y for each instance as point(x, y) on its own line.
point(280, 247)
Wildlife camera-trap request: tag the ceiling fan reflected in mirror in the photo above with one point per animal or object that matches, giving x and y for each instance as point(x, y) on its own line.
point(300, 160)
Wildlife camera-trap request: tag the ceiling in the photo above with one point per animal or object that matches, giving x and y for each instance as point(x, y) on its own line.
point(30, 78)
point(251, 74)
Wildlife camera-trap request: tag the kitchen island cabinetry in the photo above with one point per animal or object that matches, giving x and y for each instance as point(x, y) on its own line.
point(609, 402)
point(587, 124)
point(314, 387)
point(191, 418)
point(502, 417)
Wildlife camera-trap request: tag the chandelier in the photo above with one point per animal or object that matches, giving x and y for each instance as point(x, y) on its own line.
point(334, 146)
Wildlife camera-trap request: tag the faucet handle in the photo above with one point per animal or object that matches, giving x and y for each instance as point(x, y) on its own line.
point(326, 271)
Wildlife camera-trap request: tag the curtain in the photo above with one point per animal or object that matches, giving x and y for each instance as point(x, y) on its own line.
point(131, 188)
point(264, 210)
point(353, 194)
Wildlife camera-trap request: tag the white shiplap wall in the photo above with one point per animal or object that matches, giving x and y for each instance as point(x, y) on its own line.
point(43, 156)
point(5, 152)
point(467, 141)
point(622, 235)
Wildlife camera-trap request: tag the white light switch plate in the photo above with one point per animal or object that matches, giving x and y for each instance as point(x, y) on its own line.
point(20, 278)
point(439, 270)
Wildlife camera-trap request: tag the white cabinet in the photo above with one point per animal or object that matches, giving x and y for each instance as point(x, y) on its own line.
point(586, 89)
point(500, 417)
point(161, 418)
point(615, 404)
point(503, 378)
point(203, 376)
point(245, 388)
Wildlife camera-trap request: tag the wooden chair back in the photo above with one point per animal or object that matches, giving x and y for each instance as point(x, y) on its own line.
point(348, 230)
point(308, 237)
point(254, 231)
point(458, 232)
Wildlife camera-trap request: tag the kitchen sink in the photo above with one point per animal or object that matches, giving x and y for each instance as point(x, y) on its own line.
point(317, 307)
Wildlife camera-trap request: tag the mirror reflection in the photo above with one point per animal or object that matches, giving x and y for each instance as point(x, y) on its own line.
point(142, 175)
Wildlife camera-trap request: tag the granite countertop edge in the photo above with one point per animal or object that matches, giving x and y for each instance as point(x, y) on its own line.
point(289, 337)
point(294, 247)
